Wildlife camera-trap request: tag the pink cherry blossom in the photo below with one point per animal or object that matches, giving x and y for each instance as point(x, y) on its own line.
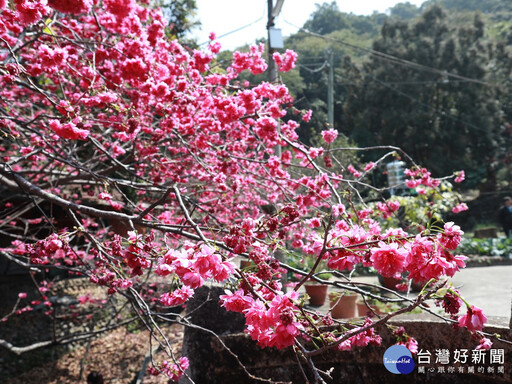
point(473, 320)
point(306, 117)
point(388, 259)
point(451, 236)
point(68, 130)
point(71, 6)
point(460, 208)
point(369, 166)
point(484, 343)
point(329, 135)
point(460, 176)
point(285, 62)
point(177, 297)
point(354, 171)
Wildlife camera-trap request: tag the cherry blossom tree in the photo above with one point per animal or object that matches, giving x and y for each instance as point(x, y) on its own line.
point(135, 162)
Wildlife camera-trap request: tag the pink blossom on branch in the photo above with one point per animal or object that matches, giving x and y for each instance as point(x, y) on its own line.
point(354, 171)
point(286, 62)
point(29, 12)
point(177, 297)
point(473, 320)
point(329, 135)
point(460, 208)
point(451, 236)
point(306, 117)
point(388, 259)
point(68, 130)
point(460, 176)
point(484, 343)
point(368, 167)
point(71, 6)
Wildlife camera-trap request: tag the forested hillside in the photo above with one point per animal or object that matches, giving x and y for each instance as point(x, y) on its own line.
point(434, 80)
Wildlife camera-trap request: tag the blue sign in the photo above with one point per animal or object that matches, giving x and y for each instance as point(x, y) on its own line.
point(398, 360)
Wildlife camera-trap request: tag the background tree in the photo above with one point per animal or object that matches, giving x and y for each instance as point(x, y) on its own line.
point(448, 123)
point(128, 160)
point(348, 35)
point(180, 15)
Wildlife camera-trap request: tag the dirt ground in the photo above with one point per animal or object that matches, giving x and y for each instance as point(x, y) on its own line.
point(118, 355)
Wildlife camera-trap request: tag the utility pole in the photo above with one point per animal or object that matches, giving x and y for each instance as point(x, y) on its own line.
point(330, 90)
point(272, 68)
point(273, 12)
point(275, 40)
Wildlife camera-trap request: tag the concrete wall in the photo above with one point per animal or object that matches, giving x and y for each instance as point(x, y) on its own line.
point(211, 363)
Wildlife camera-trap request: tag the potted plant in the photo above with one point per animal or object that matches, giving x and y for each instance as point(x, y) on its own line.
point(391, 282)
point(316, 291)
point(246, 264)
point(369, 306)
point(343, 304)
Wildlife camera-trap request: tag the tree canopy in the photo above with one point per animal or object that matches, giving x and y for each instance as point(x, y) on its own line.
point(445, 121)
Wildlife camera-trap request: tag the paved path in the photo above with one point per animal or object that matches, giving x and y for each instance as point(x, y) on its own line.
point(489, 288)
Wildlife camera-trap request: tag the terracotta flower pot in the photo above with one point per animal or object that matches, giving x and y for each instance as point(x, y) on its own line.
point(244, 264)
point(343, 307)
point(416, 286)
point(363, 309)
point(390, 282)
point(317, 293)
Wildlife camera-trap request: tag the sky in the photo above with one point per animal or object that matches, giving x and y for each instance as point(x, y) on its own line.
point(226, 16)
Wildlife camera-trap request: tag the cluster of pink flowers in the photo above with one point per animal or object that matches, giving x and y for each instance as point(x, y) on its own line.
point(189, 157)
point(271, 323)
point(173, 370)
point(354, 171)
point(388, 208)
point(460, 176)
point(460, 208)
point(329, 135)
point(389, 259)
point(407, 341)
point(286, 62)
point(420, 176)
point(361, 338)
point(193, 266)
point(68, 130)
point(251, 60)
point(473, 320)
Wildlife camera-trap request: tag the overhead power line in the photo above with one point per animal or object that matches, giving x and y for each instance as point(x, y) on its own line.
point(235, 30)
point(428, 106)
point(394, 59)
point(314, 70)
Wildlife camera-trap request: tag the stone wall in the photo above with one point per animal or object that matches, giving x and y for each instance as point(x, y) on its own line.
point(210, 362)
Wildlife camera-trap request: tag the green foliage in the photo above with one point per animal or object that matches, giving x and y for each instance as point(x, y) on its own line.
point(404, 11)
point(445, 123)
point(487, 6)
point(326, 19)
point(486, 247)
point(180, 15)
point(428, 208)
